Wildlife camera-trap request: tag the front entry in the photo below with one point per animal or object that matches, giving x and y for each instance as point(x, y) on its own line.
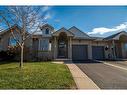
point(62, 46)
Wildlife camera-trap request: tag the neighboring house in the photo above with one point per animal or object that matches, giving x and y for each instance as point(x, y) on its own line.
point(71, 44)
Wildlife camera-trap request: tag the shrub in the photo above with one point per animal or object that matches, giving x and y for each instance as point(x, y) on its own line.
point(7, 55)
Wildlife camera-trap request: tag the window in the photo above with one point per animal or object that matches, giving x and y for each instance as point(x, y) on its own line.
point(47, 31)
point(45, 45)
point(12, 42)
point(50, 45)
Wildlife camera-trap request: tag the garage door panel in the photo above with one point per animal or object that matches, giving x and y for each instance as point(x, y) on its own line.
point(98, 52)
point(79, 52)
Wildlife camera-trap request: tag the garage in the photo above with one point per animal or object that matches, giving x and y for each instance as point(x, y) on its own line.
point(98, 52)
point(79, 52)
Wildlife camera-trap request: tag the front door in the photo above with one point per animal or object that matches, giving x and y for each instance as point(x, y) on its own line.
point(62, 46)
point(62, 50)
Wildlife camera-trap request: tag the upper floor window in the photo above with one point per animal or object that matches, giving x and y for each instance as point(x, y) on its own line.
point(47, 31)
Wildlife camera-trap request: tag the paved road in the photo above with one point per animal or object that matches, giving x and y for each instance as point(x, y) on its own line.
point(105, 76)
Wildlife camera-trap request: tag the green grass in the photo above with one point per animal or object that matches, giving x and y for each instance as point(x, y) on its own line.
point(35, 75)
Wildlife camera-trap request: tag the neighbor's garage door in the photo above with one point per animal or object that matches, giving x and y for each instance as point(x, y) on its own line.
point(79, 52)
point(98, 52)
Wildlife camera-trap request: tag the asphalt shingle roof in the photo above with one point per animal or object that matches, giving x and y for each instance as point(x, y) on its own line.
point(113, 36)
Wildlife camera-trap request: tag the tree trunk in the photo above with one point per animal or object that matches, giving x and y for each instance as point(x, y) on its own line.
point(21, 58)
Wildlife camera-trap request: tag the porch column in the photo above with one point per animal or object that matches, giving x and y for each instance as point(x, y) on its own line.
point(114, 54)
point(123, 50)
point(38, 44)
point(90, 51)
point(55, 48)
point(39, 47)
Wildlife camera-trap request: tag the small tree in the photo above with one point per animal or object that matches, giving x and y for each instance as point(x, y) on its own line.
point(28, 18)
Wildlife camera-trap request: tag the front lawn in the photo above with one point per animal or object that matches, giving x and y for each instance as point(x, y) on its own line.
point(35, 75)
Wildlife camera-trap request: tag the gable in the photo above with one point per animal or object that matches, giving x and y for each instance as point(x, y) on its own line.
point(78, 33)
point(14, 27)
point(47, 26)
point(62, 30)
point(122, 33)
point(42, 30)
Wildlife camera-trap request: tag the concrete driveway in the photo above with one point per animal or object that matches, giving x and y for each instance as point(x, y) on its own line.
point(106, 76)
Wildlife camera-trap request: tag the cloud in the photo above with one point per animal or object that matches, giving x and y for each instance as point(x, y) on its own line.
point(47, 16)
point(57, 20)
point(102, 31)
point(46, 11)
point(46, 8)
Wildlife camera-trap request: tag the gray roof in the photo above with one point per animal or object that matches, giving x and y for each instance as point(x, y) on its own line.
point(97, 38)
point(78, 33)
point(114, 35)
point(6, 30)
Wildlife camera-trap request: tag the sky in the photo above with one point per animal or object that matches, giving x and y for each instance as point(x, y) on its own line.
point(99, 21)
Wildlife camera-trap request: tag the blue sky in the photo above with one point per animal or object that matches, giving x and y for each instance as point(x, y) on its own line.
point(98, 21)
point(95, 20)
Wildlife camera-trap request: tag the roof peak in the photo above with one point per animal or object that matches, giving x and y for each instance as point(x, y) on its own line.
point(78, 30)
point(73, 27)
point(46, 24)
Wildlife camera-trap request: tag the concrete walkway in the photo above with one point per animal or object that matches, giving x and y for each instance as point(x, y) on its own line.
point(81, 79)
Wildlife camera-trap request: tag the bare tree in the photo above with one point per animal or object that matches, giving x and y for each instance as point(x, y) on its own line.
point(29, 18)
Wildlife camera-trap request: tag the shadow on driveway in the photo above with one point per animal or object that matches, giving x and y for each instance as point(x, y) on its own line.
point(86, 62)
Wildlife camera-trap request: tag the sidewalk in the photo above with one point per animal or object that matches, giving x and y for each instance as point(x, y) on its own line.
point(81, 79)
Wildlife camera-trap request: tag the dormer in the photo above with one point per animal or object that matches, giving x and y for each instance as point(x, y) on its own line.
point(47, 29)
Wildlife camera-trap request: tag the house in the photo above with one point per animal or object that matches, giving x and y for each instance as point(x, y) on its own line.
point(71, 44)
